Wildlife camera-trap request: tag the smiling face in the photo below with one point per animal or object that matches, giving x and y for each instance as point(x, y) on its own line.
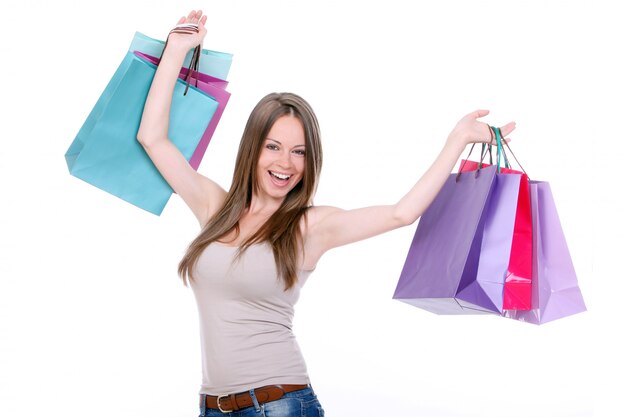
point(282, 159)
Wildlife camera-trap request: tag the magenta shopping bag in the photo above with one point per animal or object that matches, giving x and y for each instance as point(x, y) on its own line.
point(458, 259)
point(215, 87)
point(555, 291)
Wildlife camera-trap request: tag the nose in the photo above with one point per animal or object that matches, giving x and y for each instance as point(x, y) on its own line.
point(285, 159)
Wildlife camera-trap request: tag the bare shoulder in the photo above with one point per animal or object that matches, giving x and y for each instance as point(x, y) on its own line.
point(315, 214)
point(314, 241)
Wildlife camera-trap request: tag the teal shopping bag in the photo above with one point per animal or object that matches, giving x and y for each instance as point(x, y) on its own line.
point(106, 153)
point(212, 63)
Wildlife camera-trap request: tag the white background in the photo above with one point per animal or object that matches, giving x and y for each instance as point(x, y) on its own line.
point(93, 319)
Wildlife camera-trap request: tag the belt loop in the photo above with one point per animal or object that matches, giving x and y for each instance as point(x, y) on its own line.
point(202, 405)
point(257, 407)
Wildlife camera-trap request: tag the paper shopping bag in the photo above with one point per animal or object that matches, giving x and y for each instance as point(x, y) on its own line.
point(443, 272)
point(487, 288)
point(555, 291)
point(215, 88)
point(106, 153)
point(212, 63)
point(517, 285)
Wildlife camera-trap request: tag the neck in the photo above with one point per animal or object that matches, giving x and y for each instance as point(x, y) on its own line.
point(266, 207)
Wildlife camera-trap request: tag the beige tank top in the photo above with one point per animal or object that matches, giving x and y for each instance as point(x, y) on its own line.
point(245, 321)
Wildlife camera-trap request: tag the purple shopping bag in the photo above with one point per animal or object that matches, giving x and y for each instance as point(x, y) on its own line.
point(458, 259)
point(555, 291)
point(487, 288)
point(215, 87)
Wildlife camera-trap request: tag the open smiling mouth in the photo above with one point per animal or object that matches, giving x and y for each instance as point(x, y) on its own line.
point(279, 176)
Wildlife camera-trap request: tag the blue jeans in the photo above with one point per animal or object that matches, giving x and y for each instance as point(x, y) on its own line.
point(302, 403)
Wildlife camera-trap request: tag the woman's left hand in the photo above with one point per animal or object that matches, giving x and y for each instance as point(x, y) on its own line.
point(470, 130)
point(187, 41)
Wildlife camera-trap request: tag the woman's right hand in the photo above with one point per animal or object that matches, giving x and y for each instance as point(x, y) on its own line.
point(471, 130)
point(186, 41)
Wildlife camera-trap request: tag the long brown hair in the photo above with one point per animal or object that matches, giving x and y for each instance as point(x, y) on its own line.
point(282, 229)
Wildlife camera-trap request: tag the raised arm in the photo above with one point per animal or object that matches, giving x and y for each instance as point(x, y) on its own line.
point(202, 195)
point(330, 227)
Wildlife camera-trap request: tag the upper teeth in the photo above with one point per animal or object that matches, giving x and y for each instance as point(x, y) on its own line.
point(281, 176)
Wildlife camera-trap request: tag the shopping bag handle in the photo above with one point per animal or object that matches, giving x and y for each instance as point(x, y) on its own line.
point(194, 64)
point(499, 133)
point(482, 155)
point(501, 155)
point(483, 152)
point(496, 134)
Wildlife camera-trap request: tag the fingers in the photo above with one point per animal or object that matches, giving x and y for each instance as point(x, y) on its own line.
point(507, 128)
point(194, 16)
point(475, 131)
point(495, 143)
point(504, 132)
point(478, 114)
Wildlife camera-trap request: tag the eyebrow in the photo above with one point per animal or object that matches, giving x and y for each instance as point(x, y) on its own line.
point(274, 140)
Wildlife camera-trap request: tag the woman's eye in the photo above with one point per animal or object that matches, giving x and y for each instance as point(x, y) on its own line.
point(271, 147)
point(300, 152)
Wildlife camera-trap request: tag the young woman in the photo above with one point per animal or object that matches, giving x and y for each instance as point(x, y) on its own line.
point(260, 240)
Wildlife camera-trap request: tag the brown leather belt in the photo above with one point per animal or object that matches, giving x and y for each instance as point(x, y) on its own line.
point(233, 402)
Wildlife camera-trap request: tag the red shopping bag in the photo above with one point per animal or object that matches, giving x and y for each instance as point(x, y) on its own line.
point(518, 281)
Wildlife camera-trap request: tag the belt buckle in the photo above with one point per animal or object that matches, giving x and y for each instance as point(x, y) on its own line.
point(219, 407)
